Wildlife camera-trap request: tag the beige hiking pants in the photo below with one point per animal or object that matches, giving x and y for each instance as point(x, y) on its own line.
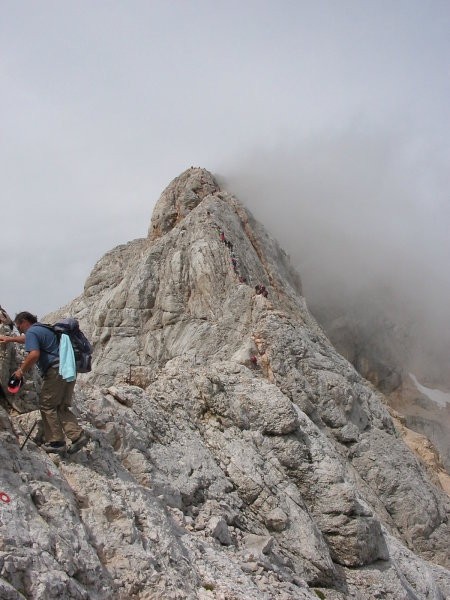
point(54, 404)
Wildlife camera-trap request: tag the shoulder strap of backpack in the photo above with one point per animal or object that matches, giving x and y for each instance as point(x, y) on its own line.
point(51, 328)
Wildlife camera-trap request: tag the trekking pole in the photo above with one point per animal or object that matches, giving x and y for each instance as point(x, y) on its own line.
point(28, 435)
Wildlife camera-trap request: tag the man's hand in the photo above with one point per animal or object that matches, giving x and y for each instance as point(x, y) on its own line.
point(30, 360)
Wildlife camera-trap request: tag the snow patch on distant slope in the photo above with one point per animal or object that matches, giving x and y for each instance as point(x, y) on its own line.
point(441, 398)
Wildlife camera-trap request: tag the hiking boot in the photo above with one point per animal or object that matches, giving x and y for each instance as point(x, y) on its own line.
point(54, 447)
point(79, 443)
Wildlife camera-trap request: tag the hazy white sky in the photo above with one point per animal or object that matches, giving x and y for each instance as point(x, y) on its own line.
point(334, 114)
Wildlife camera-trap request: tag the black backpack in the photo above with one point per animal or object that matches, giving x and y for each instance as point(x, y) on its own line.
point(82, 348)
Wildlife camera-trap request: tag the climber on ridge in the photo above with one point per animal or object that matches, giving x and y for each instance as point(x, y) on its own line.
point(42, 347)
point(261, 290)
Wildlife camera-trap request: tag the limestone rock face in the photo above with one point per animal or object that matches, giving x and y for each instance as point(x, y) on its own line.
point(234, 453)
point(11, 355)
point(181, 196)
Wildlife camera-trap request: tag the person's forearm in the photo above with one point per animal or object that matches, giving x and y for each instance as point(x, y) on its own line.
point(19, 339)
point(26, 365)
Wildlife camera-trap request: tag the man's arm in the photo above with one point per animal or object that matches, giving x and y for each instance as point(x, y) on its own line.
point(29, 361)
point(19, 339)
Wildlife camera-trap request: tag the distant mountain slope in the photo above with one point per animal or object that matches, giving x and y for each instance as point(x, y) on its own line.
point(383, 346)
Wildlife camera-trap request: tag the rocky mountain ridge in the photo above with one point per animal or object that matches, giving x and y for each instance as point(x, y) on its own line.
point(234, 454)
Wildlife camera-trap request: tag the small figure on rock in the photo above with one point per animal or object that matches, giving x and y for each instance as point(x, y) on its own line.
point(261, 290)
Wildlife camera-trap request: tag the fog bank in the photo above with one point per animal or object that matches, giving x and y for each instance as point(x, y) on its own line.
point(365, 218)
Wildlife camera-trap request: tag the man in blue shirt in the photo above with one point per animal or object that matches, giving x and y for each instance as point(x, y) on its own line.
point(42, 346)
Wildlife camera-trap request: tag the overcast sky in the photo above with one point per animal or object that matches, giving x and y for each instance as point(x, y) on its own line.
point(329, 119)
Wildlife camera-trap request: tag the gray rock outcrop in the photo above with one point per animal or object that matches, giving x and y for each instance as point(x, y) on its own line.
point(234, 453)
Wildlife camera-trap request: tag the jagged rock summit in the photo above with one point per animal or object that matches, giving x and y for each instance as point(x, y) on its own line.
point(234, 454)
